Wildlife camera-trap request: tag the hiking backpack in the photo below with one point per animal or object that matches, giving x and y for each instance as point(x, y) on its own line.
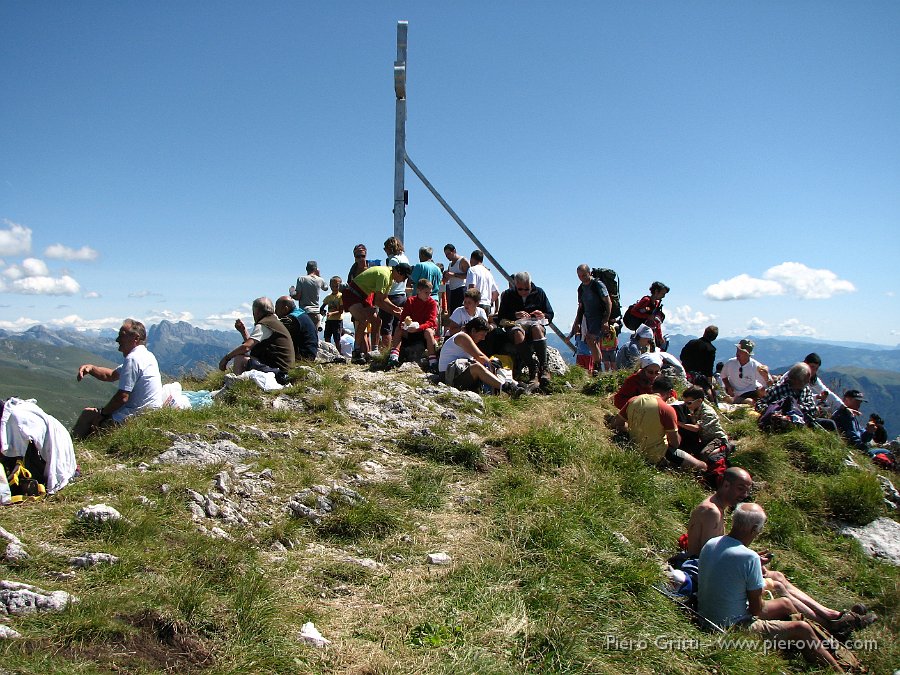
point(610, 279)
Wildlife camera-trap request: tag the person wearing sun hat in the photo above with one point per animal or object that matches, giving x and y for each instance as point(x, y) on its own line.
point(847, 420)
point(629, 353)
point(745, 378)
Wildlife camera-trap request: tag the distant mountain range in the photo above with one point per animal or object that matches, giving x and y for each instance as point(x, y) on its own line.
point(873, 369)
point(41, 363)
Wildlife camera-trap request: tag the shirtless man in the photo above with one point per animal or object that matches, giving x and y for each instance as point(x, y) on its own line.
point(708, 521)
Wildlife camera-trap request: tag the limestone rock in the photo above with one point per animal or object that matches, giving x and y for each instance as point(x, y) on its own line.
point(100, 513)
point(556, 364)
point(202, 452)
point(7, 633)
point(9, 536)
point(92, 559)
point(439, 558)
point(15, 553)
point(879, 539)
point(17, 598)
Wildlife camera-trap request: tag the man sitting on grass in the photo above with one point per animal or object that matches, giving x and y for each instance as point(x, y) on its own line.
point(731, 587)
point(708, 521)
point(140, 384)
point(653, 425)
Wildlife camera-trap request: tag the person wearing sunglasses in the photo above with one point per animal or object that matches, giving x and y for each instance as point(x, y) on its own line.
point(524, 311)
point(744, 377)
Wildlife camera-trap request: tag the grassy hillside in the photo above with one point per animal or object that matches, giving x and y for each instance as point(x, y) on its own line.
point(47, 373)
point(555, 535)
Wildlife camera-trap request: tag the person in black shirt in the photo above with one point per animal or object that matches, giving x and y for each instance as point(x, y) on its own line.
point(699, 357)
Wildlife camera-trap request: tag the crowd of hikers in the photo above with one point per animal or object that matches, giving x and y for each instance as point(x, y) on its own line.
point(457, 323)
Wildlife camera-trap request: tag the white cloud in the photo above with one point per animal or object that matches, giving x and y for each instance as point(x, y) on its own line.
point(169, 316)
point(795, 328)
point(742, 287)
point(71, 321)
point(686, 320)
point(142, 294)
point(16, 240)
point(890, 294)
point(90, 295)
point(42, 285)
point(791, 278)
point(60, 252)
point(757, 326)
point(808, 283)
point(34, 267)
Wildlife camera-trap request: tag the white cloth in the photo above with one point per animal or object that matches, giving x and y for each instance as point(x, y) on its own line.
point(24, 422)
point(139, 376)
point(347, 344)
point(650, 359)
point(743, 380)
point(670, 360)
point(481, 278)
point(461, 317)
point(174, 397)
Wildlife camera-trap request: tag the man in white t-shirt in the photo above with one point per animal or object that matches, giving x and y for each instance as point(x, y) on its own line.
point(480, 278)
point(140, 385)
point(744, 377)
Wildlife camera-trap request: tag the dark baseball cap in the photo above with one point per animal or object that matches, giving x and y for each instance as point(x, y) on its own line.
point(855, 394)
point(746, 345)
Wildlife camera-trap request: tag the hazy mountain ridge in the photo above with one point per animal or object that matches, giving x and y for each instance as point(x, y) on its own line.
point(31, 361)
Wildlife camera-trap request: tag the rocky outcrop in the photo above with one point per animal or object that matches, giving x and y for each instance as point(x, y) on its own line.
point(879, 539)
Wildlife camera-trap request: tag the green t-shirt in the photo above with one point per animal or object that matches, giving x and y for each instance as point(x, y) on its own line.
point(375, 280)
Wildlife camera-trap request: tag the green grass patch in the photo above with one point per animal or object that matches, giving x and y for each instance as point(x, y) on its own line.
point(439, 447)
point(854, 496)
point(362, 520)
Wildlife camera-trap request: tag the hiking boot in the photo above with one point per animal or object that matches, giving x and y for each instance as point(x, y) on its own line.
point(359, 358)
point(544, 381)
point(392, 362)
point(851, 621)
point(513, 388)
point(433, 368)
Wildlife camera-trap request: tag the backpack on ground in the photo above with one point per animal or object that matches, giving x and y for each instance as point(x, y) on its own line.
point(783, 415)
point(610, 279)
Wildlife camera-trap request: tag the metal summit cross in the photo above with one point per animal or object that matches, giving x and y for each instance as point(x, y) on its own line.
point(401, 158)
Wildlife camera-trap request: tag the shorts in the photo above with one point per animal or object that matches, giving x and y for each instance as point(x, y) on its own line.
point(353, 295)
point(767, 627)
point(389, 321)
point(459, 375)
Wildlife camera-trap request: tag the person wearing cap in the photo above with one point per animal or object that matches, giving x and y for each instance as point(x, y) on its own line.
point(375, 282)
point(847, 420)
point(629, 353)
point(653, 425)
point(306, 292)
point(744, 377)
point(642, 381)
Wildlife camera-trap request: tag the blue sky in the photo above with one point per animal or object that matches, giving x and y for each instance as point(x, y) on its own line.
point(176, 160)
